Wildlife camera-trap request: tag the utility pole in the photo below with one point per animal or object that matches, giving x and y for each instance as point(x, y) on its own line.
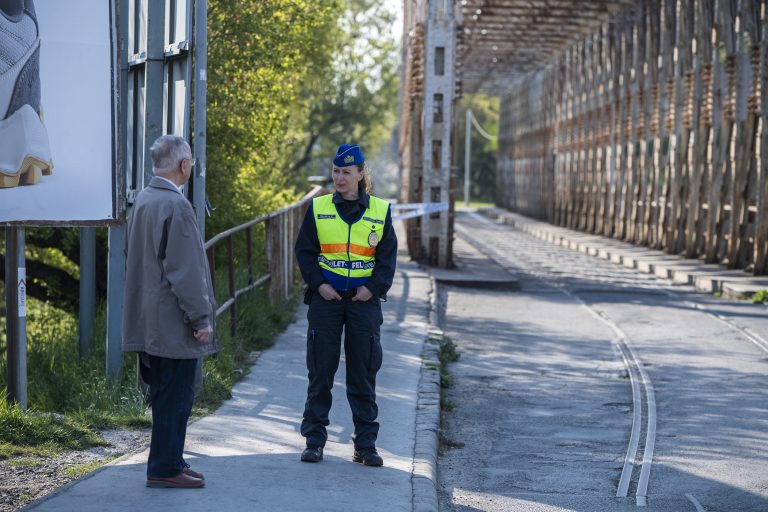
point(467, 152)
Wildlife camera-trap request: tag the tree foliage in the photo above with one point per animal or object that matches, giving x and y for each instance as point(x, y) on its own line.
point(356, 99)
point(289, 80)
point(483, 151)
point(260, 54)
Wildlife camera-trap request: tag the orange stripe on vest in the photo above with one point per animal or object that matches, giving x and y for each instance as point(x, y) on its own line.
point(353, 249)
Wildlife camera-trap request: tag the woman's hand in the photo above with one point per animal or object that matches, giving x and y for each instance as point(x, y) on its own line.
point(363, 294)
point(327, 292)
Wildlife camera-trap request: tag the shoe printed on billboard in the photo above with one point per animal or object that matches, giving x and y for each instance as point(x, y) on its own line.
point(25, 154)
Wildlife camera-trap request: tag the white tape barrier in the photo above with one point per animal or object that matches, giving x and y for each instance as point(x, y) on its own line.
point(411, 210)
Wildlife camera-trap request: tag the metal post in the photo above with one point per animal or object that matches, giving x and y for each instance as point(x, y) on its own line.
point(153, 81)
point(87, 287)
point(16, 316)
point(201, 81)
point(467, 152)
point(200, 74)
point(115, 300)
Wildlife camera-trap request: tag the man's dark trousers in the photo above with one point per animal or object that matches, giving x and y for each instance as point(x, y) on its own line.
point(172, 392)
point(361, 322)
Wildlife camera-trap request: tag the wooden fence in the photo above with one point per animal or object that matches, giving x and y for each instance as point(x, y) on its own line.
point(652, 130)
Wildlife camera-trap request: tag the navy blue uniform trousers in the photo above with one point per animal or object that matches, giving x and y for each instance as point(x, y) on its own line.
point(172, 392)
point(361, 323)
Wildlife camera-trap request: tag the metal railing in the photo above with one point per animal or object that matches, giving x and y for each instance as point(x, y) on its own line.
point(280, 230)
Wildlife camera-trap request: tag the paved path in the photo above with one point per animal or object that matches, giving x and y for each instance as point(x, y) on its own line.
point(249, 449)
point(544, 405)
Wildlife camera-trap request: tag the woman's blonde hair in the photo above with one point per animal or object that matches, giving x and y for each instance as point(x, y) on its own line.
point(366, 184)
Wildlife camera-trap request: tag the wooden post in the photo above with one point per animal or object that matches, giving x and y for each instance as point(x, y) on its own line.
point(666, 93)
point(745, 132)
point(683, 93)
point(655, 85)
point(703, 29)
point(633, 113)
point(761, 218)
point(648, 65)
point(626, 143)
point(723, 126)
point(614, 42)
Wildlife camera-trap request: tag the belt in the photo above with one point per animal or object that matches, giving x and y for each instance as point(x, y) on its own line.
point(347, 293)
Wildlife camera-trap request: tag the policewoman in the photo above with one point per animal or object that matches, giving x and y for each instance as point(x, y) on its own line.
point(347, 251)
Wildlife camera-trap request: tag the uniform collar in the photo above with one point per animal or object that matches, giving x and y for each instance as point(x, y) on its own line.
point(362, 198)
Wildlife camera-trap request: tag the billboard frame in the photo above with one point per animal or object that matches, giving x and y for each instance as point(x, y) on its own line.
point(117, 171)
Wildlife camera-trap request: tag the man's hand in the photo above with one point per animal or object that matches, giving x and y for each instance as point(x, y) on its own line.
point(328, 293)
point(203, 334)
point(363, 294)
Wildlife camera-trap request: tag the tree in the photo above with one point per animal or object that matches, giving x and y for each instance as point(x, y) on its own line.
point(261, 53)
point(356, 98)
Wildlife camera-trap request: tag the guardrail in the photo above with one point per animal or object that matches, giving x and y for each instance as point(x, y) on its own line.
point(280, 230)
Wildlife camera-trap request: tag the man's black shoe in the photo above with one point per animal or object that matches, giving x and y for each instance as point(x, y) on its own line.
point(312, 454)
point(368, 456)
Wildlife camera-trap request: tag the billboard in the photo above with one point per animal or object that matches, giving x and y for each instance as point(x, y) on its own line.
point(58, 104)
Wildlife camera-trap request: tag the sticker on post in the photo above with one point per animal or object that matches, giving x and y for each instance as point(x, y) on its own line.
point(22, 292)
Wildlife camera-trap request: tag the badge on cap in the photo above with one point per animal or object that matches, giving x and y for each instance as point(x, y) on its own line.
point(373, 239)
point(349, 159)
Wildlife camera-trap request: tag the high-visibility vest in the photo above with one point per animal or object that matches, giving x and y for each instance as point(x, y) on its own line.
point(347, 250)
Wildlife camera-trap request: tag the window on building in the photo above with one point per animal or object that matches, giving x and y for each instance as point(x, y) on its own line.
point(437, 108)
point(439, 61)
point(437, 152)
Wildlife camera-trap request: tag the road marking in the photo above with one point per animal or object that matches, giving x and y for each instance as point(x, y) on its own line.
point(632, 361)
point(650, 431)
point(634, 438)
point(695, 502)
point(755, 338)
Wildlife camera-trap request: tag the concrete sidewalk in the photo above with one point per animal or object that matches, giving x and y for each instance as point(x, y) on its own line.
point(249, 449)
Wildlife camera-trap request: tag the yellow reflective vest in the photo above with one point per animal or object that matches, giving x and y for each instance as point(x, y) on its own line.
point(347, 250)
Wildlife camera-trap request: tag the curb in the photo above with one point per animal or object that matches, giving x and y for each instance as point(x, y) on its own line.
point(424, 476)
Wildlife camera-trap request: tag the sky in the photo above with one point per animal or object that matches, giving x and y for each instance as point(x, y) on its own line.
point(396, 6)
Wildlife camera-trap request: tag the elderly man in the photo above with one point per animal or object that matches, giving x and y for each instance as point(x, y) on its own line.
point(169, 307)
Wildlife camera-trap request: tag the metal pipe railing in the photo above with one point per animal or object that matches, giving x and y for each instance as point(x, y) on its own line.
point(281, 229)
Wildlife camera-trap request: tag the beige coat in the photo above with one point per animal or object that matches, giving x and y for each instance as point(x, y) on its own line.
point(168, 291)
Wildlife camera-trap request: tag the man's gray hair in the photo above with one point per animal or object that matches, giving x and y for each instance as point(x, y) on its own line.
point(167, 152)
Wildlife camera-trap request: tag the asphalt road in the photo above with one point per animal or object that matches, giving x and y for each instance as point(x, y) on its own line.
point(597, 388)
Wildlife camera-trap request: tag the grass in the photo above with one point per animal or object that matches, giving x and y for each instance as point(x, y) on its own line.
point(23, 431)
point(79, 470)
point(25, 462)
point(62, 382)
point(761, 297)
point(447, 354)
